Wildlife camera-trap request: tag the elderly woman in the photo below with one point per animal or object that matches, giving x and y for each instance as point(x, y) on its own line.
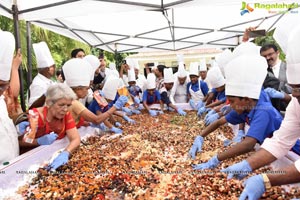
point(55, 122)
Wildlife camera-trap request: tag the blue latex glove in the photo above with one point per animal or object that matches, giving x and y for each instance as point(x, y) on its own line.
point(201, 111)
point(141, 107)
point(226, 142)
point(192, 104)
point(274, 93)
point(137, 100)
point(160, 112)
point(238, 170)
point(127, 110)
point(212, 163)
point(135, 111)
point(118, 124)
point(116, 130)
point(200, 104)
point(153, 113)
point(181, 112)
point(22, 127)
point(47, 139)
point(101, 126)
point(212, 118)
point(60, 160)
point(171, 109)
point(225, 109)
point(254, 188)
point(196, 147)
point(131, 121)
point(121, 102)
point(101, 93)
point(239, 136)
point(210, 112)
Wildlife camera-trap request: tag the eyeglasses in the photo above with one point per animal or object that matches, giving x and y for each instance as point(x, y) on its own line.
point(269, 55)
point(292, 89)
point(63, 106)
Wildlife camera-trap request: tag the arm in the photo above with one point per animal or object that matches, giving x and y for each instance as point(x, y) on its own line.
point(243, 147)
point(291, 175)
point(147, 68)
point(212, 127)
point(14, 79)
point(74, 139)
point(214, 104)
point(208, 98)
point(97, 119)
point(39, 102)
point(161, 105)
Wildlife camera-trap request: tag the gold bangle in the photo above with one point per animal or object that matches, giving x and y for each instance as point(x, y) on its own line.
point(266, 181)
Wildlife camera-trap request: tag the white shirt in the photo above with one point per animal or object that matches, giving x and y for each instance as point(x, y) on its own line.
point(8, 135)
point(276, 69)
point(38, 87)
point(179, 92)
point(286, 136)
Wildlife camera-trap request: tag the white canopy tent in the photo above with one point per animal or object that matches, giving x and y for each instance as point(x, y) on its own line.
point(145, 25)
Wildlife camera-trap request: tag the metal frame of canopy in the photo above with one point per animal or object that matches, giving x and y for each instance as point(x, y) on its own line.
point(155, 43)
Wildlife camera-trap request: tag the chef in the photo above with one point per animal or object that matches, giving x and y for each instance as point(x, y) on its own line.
point(46, 69)
point(283, 139)
point(203, 69)
point(179, 92)
point(196, 88)
point(244, 78)
point(8, 133)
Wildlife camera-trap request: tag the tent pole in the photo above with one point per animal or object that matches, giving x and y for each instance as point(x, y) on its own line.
point(116, 56)
point(18, 45)
point(29, 58)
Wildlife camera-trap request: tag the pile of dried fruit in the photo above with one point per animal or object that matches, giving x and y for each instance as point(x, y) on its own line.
point(147, 162)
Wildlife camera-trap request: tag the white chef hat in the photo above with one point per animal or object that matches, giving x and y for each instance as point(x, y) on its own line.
point(245, 75)
point(112, 66)
point(247, 48)
point(7, 48)
point(292, 57)
point(131, 75)
point(203, 66)
point(215, 77)
point(180, 58)
point(168, 75)
point(181, 71)
point(223, 58)
point(133, 63)
point(77, 72)
point(110, 87)
point(43, 55)
point(194, 69)
point(284, 27)
point(94, 62)
point(151, 81)
point(110, 72)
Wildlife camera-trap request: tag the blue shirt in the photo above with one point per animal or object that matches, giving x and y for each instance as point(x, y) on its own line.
point(151, 99)
point(94, 106)
point(220, 96)
point(195, 87)
point(263, 120)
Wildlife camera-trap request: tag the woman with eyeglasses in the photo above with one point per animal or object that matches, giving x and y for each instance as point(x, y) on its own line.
point(283, 139)
point(54, 122)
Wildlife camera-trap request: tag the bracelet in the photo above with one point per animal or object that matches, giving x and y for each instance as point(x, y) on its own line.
point(266, 181)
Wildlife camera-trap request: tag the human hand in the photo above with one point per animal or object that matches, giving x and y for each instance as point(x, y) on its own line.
point(137, 100)
point(116, 130)
point(239, 136)
point(212, 163)
point(21, 127)
point(200, 104)
point(47, 139)
point(127, 110)
point(192, 104)
point(201, 111)
point(118, 124)
point(122, 100)
point(126, 118)
point(152, 113)
point(246, 33)
point(226, 142)
point(196, 147)
point(135, 111)
point(181, 112)
point(101, 93)
point(238, 170)
point(160, 112)
point(17, 60)
point(254, 188)
point(212, 118)
point(60, 160)
point(274, 94)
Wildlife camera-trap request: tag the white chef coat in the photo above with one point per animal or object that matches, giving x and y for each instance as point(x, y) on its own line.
point(38, 87)
point(8, 135)
point(286, 136)
point(178, 92)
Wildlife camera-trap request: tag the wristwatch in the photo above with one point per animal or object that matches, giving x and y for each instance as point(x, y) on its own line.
point(266, 181)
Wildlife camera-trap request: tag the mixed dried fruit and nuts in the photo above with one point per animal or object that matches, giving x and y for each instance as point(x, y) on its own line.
point(148, 161)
